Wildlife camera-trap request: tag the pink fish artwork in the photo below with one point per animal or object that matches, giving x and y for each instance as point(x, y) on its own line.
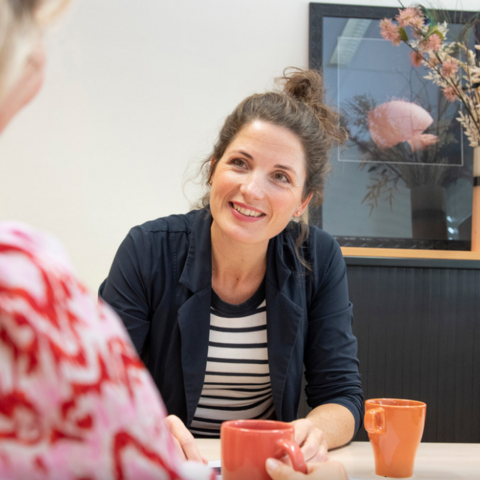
point(400, 121)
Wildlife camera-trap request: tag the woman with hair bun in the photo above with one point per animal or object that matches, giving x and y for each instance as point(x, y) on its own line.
point(230, 303)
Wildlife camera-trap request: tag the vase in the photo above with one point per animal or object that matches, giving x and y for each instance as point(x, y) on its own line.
point(476, 201)
point(429, 217)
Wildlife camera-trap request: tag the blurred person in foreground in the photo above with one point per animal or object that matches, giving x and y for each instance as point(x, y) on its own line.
point(75, 399)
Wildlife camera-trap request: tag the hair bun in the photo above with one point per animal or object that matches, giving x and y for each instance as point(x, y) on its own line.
point(306, 86)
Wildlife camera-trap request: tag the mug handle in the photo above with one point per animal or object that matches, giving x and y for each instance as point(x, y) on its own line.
point(375, 421)
point(293, 451)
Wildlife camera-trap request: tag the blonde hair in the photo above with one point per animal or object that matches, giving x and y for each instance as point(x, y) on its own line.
point(21, 24)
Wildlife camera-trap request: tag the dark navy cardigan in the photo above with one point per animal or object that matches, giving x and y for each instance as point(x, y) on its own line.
point(160, 284)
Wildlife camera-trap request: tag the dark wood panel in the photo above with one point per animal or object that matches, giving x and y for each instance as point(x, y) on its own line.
point(419, 337)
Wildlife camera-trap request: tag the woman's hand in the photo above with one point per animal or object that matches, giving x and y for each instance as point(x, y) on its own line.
point(312, 441)
point(184, 440)
point(329, 470)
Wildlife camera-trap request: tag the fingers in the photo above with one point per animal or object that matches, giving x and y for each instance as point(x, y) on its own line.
point(315, 447)
point(301, 430)
point(311, 440)
point(331, 470)
point(279, 471)
point(184, 439)
point(179, 449)
point(316, 471)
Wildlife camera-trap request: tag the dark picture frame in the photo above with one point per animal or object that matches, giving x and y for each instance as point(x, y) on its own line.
point(324, 23)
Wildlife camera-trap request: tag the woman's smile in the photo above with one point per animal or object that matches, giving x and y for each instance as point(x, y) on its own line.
point(246, 213)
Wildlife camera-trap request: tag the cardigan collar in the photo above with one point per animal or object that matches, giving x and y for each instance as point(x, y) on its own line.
point(197, 273)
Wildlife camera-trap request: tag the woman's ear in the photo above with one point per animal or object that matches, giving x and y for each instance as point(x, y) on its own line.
point(303, 206)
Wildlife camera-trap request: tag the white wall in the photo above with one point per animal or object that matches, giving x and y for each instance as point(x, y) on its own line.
point(135, 91)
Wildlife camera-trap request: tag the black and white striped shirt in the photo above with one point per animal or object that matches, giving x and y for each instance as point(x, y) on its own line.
point(237, 379)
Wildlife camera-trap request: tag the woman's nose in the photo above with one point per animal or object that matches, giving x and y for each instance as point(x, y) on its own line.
point(253, 187)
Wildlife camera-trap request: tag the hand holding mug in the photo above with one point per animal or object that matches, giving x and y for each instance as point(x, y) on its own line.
point(186, 446)
point(311, 439)
point(246, 445)
point(329, 470)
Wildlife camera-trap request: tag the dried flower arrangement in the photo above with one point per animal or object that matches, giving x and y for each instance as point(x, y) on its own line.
point(453, 66)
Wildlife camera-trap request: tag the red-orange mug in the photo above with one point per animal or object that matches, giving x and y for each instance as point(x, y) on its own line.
point(246, 445)
point(395, 428)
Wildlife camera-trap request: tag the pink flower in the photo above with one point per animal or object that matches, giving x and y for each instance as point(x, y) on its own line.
point(449, 68)
point(397, 121)
point(422, 142)
point(450, 94)
point(410, 17)
point(434, 43)
point(416, 58)
point(389, 31)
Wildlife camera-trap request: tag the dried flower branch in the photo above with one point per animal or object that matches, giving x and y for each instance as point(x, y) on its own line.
point(459, 80)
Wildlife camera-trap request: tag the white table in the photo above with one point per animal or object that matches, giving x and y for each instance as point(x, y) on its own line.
point(434, 461)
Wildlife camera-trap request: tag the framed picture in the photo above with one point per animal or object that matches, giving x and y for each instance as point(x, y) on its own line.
point(404, 177)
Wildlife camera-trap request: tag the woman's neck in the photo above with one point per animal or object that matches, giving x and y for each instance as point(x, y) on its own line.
point(234, 263)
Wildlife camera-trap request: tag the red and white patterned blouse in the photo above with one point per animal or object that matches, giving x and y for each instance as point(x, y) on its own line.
point(76, 402)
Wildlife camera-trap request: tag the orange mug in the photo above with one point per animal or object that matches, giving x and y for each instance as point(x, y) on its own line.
point(246, 445)
point(395, 428)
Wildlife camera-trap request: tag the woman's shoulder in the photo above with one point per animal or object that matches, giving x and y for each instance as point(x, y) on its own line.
point(160, 237)
point(176, 223)
point(322, 241)
point(317, 243)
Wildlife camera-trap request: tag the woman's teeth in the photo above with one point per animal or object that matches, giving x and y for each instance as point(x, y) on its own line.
point(245, 211)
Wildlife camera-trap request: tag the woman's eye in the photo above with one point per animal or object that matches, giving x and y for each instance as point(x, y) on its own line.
point(238, 162)
point(281, 177)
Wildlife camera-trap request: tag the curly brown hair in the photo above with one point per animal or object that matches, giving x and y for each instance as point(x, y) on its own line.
point(297, 104)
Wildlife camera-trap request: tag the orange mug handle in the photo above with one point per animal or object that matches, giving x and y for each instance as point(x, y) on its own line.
point(375, 421)
point(293, 451)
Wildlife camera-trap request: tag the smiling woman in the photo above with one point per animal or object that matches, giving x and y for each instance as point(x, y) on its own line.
point(227, 303)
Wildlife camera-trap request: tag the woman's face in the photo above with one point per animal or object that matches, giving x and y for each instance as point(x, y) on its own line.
point(26, 87)
point(258, 184)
